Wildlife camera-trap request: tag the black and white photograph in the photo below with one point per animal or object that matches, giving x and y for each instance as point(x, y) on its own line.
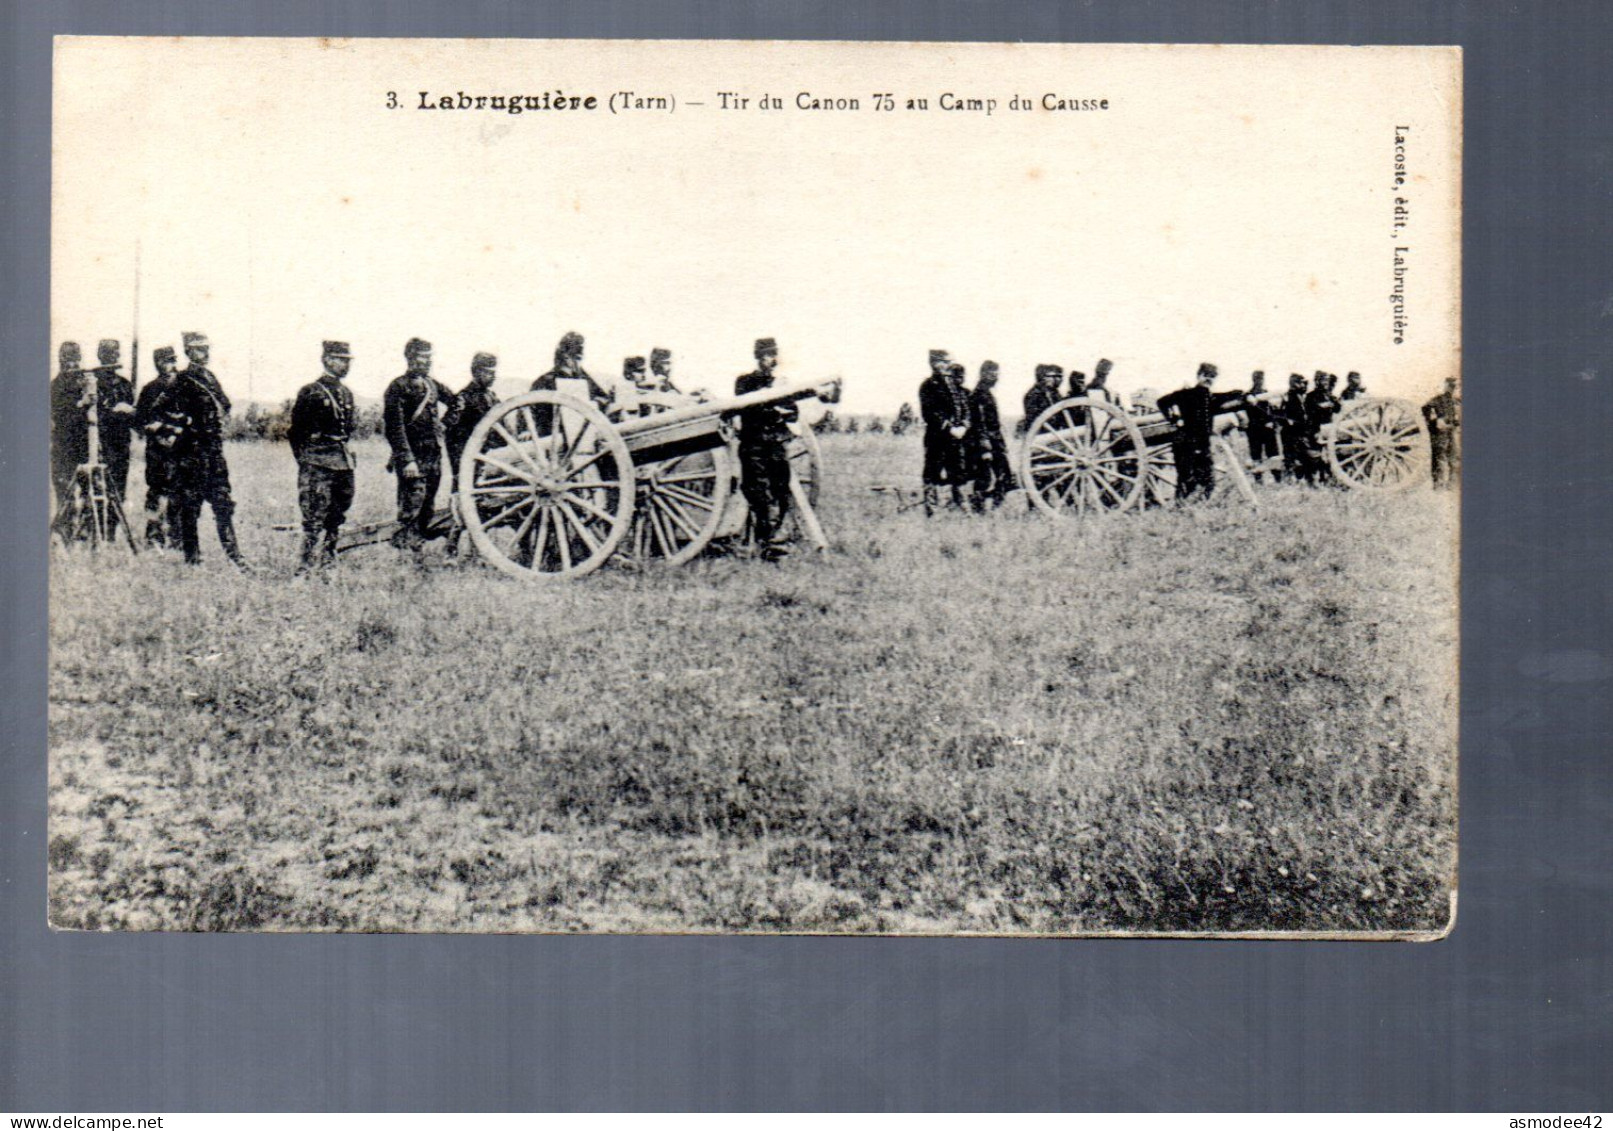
point(651, 487)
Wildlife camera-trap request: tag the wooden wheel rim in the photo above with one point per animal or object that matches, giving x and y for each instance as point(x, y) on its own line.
point(1378, 444)
point(1073, 467)
point(562, 494)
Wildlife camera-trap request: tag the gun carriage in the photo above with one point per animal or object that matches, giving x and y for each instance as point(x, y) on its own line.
point(549, 487)
point(1082, 455)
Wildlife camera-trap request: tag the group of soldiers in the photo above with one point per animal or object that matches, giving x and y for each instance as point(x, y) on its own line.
point(963, 437)
point(182, 412)
point(182, 415)
point(424, 421)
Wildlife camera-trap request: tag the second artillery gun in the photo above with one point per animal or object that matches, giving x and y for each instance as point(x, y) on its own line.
point(1082, 455)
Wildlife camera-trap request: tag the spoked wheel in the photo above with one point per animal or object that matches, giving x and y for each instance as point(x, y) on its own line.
point(1082, 456)
point(1379, 444)
point(1230, 474)
point(546, 487)
point(679, 507)
point(1161, 487)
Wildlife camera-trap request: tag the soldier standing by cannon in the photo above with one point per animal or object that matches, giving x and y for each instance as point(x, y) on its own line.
point(1193, 410)
point(201, 474)
point(661, 371)
point(1299, 443)
point(473, 403)
point(1321, 406)
point(156, 420)
point(992, 477)
point(1353, 387)
point(764, 461)
point(1443, 415)
point(1042, 395)
point(1078, 384)
point(567, 367)
point(1261, 429)
point(322, 422)
point(634, 388)
point(1098, 388)
point(944, 408)
point(414, 430)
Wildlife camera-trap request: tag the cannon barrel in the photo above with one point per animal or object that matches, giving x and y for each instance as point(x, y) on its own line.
point(826, 391)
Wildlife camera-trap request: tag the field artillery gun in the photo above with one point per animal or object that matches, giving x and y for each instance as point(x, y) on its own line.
point(550, 487)
point(1083, 454)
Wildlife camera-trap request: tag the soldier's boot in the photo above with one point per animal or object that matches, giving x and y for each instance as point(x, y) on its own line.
point(932, 499)
point(226, 538)
point(154, 530)
point(327, 552)
point(310, 553)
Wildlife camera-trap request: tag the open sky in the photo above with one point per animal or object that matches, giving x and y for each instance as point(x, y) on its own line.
point(1234, 205)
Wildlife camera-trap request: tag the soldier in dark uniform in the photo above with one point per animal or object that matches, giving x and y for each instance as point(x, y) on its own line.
point(114, 413)
point(1042, 395)
point(321, 426)
point(1443, 415)
point(1098, 389)
point(156, 420)
point(201, 475)
point(992, 477)
point(567, 366)
point(1321, 406)
point(1193, 410)
point(1078, 384)
point(661, 370)
point(1353, 387)
point(1295, 427)
point(69, 421)
point(944, 408)
point(764, 460)
point(414, 429)
point(475, 401)
point(1262, 426)
point(636, 381)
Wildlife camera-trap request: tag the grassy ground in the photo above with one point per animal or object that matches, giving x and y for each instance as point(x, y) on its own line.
point(1213, 718)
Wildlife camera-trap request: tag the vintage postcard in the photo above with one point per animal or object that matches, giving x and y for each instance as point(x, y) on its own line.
point(754, 487)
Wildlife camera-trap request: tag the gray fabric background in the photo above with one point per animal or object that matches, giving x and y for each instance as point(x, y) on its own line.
point(1514, 1012)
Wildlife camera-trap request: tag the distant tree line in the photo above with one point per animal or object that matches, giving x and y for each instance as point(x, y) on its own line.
point(273, 423)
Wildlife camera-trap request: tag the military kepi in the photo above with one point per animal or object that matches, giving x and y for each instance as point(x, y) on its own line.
point(334, 348)
point(416, 346)
point(766, 345)
point(162, 354)
point(192, 338)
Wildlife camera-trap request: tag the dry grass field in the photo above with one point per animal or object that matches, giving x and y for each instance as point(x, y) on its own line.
point(1212, 718)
